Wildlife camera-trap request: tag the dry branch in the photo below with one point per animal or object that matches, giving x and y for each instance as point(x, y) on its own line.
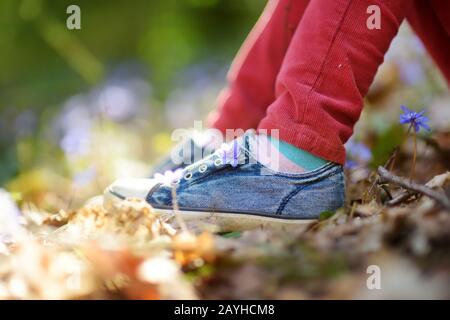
point(386, 176)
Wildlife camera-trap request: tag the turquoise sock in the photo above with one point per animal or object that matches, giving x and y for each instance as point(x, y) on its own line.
point(298, 156)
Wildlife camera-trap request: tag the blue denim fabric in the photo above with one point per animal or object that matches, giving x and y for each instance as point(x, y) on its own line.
point(214, 186)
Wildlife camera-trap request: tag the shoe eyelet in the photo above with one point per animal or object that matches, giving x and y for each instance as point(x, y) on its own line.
point(176, 182)
point(218, 162)
point(188, 176)
point(202, 168)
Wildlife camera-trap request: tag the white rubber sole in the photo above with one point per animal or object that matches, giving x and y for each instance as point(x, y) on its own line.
point(224, 221)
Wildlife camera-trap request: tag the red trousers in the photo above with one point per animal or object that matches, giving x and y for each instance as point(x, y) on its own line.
point(307, 65)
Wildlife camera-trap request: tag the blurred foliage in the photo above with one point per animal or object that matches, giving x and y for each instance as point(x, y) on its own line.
point(386, 142)
point(43, 63)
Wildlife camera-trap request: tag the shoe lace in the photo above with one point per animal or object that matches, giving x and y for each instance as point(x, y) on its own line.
point(229, 153)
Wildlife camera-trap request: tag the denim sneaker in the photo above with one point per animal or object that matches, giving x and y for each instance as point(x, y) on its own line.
point(231, 189)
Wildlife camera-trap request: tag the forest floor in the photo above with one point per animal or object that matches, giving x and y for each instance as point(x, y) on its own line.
point(389, 229)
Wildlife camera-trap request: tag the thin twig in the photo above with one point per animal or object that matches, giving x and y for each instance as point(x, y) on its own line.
point(385, 188)
point(176, 210)
point(386, 176)
point(71, 199)
point(389, 164)
point(391, 161)
point(413, 166)
point(401, 197)
point(368, 191)
point(352, 211)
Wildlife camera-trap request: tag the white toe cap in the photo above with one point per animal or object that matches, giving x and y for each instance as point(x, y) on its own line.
point(131, 188)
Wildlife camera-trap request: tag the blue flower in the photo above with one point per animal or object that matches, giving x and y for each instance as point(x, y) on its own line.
point(77, 141)
point(358, 154)
point(416, 119)
point(85, 177)
point(351, 164)
point(118, 102)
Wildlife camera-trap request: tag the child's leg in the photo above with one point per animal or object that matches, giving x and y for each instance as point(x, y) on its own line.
point(330, 63)
point(252, 76)
point(431, 21)
point(251, 87)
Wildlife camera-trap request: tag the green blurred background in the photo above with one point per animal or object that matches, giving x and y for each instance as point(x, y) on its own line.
point(42, 61)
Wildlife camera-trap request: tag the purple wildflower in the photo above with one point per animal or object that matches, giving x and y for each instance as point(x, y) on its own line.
point(351, 164)
point(84, 177)
point(74, 125)
point(415, 119)
point(358, 154)
point(77, 141)
point(118, 103)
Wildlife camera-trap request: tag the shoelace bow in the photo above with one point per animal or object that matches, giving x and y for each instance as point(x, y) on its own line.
point(228, 153)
